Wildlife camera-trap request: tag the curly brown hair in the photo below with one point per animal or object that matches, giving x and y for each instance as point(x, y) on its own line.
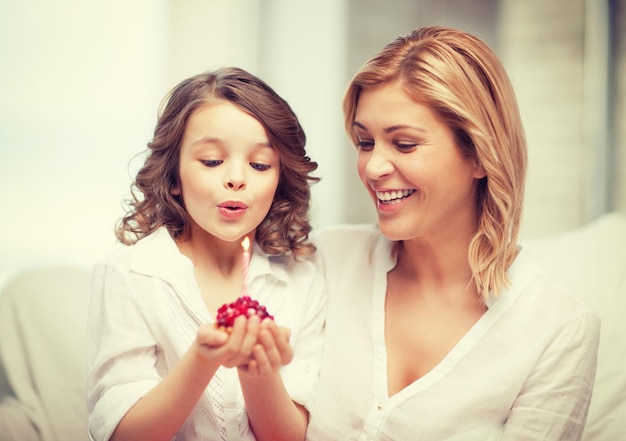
point(286, 227)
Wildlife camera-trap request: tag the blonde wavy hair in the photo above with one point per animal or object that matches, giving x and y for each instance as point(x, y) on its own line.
point(459, 77)
point(286, 227)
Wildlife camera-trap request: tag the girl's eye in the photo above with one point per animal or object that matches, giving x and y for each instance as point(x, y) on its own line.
point(365, 145)
point(211, 162)
point(259, 167)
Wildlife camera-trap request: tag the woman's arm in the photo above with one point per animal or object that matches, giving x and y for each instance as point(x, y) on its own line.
point(553, 402)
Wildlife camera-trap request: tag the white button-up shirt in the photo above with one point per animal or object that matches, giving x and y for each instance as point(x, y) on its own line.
point(524, 371)
point(145, 311)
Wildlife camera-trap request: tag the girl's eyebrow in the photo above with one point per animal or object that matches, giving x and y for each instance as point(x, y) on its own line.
point(391, 129)
point(205, 140)
point(213, 140)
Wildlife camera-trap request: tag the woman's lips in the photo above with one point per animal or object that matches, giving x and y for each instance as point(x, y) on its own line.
point(391, 200)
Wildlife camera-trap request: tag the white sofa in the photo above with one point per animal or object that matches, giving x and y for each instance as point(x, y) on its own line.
point(42, 321)
point(42, 361)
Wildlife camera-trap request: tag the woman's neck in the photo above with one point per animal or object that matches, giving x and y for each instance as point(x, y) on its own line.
point(436, 265)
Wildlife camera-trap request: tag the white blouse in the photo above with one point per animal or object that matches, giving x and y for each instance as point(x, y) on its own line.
point(524, 371)
point(145, 310)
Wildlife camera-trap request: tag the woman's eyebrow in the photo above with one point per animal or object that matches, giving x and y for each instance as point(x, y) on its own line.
point(403, 126)
point(393, 128)
point(359, 125)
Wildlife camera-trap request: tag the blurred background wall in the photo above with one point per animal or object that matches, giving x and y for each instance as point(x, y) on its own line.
point(82, 81)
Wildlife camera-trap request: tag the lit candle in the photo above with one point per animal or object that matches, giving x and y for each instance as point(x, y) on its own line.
point(245, 264)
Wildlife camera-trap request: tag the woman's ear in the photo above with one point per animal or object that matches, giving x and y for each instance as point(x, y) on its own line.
point(479, 170)
point(175, 190)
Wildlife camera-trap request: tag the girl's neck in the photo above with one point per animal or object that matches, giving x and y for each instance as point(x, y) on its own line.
point(217, 269)
point(212, 254)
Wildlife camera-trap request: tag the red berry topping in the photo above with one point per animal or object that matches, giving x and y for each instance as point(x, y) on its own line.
point(245, 306)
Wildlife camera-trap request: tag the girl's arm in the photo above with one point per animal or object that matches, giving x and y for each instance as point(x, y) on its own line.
point(272, 413)
point(162, 411)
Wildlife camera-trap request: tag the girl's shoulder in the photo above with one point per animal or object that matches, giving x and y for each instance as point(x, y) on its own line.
point(350, 245)
point(346, 235)
point(151, 254)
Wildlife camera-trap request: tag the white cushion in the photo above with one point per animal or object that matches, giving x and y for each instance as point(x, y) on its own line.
point(591, 263)
point(43, 317)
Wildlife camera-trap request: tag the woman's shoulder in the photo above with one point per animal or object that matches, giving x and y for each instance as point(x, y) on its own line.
point(549, 296)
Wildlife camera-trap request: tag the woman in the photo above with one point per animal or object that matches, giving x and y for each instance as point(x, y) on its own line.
point(439, 326)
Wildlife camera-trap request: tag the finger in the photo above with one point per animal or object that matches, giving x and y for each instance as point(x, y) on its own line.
point(261, 360)
point(286, 333)
point(209, 336)
point(282, 333)
point(237, 332)
point(279, 350)
point(281, 339)
point(252, 367)
point(247, 335)
point(272, 351)
point(230, 353)
point(251, 335)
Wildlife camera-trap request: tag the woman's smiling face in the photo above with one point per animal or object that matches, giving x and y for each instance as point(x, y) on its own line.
point(410, 164)
point(228, 171)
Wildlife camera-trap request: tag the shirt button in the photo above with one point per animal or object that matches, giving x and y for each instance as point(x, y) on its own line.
point(380, 406)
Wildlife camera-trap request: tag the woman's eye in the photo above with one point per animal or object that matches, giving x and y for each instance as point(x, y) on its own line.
point(211, 162)
point(259, 167)
point(365, 145)
point(406, 146)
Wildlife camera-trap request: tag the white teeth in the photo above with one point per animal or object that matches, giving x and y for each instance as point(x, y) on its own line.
point(393, 196)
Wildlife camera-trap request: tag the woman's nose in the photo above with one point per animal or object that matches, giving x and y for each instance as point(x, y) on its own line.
point(378, 164)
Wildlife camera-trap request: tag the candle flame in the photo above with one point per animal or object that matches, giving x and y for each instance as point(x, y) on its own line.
point(245, 243)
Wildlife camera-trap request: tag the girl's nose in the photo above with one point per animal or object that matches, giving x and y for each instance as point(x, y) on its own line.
point(236, 184)
point(235, 179)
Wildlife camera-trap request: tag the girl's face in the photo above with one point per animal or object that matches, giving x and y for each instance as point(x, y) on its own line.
point(228, 171)
point(409, 162)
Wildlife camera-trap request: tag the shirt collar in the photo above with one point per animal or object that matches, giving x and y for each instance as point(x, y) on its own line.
point(384, 250)
point(520, 273)
point(157, 255)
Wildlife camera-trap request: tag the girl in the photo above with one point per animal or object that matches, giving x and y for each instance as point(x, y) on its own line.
point(227, 161)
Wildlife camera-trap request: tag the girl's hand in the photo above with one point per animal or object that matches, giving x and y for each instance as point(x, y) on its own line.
point(232, 349)
point(272, 350)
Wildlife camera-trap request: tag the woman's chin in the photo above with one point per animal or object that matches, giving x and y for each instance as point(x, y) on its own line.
point(391, 232)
